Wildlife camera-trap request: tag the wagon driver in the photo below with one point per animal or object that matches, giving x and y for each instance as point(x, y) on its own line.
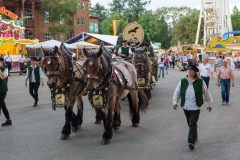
point(125, 51)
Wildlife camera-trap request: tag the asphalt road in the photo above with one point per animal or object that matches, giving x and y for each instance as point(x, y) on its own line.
point(35, 133)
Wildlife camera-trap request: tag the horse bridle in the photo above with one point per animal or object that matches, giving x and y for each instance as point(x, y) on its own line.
point(140, 62)
point(48, 60)
point(90, 62)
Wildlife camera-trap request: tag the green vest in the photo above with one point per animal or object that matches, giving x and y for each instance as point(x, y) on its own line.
point(197, 85)
point(36, 74)
point(3, 83)
point(125, 50)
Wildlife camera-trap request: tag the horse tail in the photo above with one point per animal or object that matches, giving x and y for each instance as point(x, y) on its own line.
point(143, 100)
point(148, 93)
point(131, 107)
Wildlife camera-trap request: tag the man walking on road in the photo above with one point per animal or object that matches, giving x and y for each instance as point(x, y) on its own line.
point(191, 90)
point(225, 75)
point(205, 70)
point(35, 76)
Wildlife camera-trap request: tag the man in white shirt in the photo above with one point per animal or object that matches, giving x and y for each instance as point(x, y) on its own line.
point(205, 71)
point(125, 51)
point(8, 62)
point(35, 76)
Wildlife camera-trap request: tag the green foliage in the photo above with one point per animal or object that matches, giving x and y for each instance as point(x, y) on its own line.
point(101, 11)
point(117, 6)
point(107, 26)
point(58, 11)
point(185, 30)
point(156, 29)
point(134, 9)
point(173, 14)
point(235, 18)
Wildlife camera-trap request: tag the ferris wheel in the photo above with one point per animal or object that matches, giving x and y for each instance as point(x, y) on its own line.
point(216, 17)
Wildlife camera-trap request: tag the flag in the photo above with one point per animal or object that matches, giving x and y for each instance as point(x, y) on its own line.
point(115, 26)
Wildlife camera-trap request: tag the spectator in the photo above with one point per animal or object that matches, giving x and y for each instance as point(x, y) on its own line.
point(21, 61)
point(217, 63)
point(161, 66)
point(205, 71)
point(3, 92)
point(166, 63)
point(8, 62)
point(225, 75)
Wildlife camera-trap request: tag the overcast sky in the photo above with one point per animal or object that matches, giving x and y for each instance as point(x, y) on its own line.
point(160, 3)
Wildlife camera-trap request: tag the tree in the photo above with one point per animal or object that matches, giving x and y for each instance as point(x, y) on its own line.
point(101, 11)
point(107, 26)
point(173, 14)
point(235, 18)
point(185, 30)
point(135, 8)
point(117, 6)
point(56, 11)
point(155, 29)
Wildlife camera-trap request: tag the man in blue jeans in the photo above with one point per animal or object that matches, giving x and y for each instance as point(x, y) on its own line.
point(225, 75)
point(161, 66)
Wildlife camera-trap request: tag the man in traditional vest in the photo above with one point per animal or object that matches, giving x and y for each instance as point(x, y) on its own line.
point(125, 51)
point(3, 93)
point(191, 90)
point(35, 76)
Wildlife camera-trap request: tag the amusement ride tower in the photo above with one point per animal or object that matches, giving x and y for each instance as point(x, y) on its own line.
point(217, 19)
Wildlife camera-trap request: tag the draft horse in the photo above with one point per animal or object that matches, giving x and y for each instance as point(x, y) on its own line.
point(65, 80)
point(115, 80)
point(143, 66)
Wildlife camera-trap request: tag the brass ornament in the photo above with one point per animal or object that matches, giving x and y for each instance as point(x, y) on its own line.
point(97, 101)
point(141, 81)
point(60, 100)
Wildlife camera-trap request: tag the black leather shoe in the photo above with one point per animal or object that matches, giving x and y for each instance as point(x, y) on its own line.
point(35, 104)
point(7, 123)
point(191, 146)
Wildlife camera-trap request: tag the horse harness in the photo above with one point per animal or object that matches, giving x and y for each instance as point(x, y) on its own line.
point(112, 76)
point(143, 77)
point(60, 93)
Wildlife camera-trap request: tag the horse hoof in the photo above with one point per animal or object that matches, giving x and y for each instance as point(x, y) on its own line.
point(98, 121)
point(135, 125)
point(64, 137)
point(75, 129)
point(116, 128)
point(106, 141)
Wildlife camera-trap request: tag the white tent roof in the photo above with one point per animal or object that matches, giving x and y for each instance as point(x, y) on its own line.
point(84, 36)
point(50, 44)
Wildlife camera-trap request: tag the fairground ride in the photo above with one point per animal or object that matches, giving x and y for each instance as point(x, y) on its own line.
point(216, 17)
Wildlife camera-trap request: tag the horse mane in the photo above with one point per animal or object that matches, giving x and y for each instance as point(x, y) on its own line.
point(107, 55)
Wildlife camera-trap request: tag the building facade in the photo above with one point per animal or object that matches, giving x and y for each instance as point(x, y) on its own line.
point(36, 23)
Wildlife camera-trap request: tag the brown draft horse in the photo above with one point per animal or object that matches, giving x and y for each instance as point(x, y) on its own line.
point(143, 66)
point(117, 80)
point(68, 77)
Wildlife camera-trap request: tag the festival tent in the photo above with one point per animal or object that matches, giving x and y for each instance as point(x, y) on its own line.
point(82, 44)
point(97, 39)
point(50, 44)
